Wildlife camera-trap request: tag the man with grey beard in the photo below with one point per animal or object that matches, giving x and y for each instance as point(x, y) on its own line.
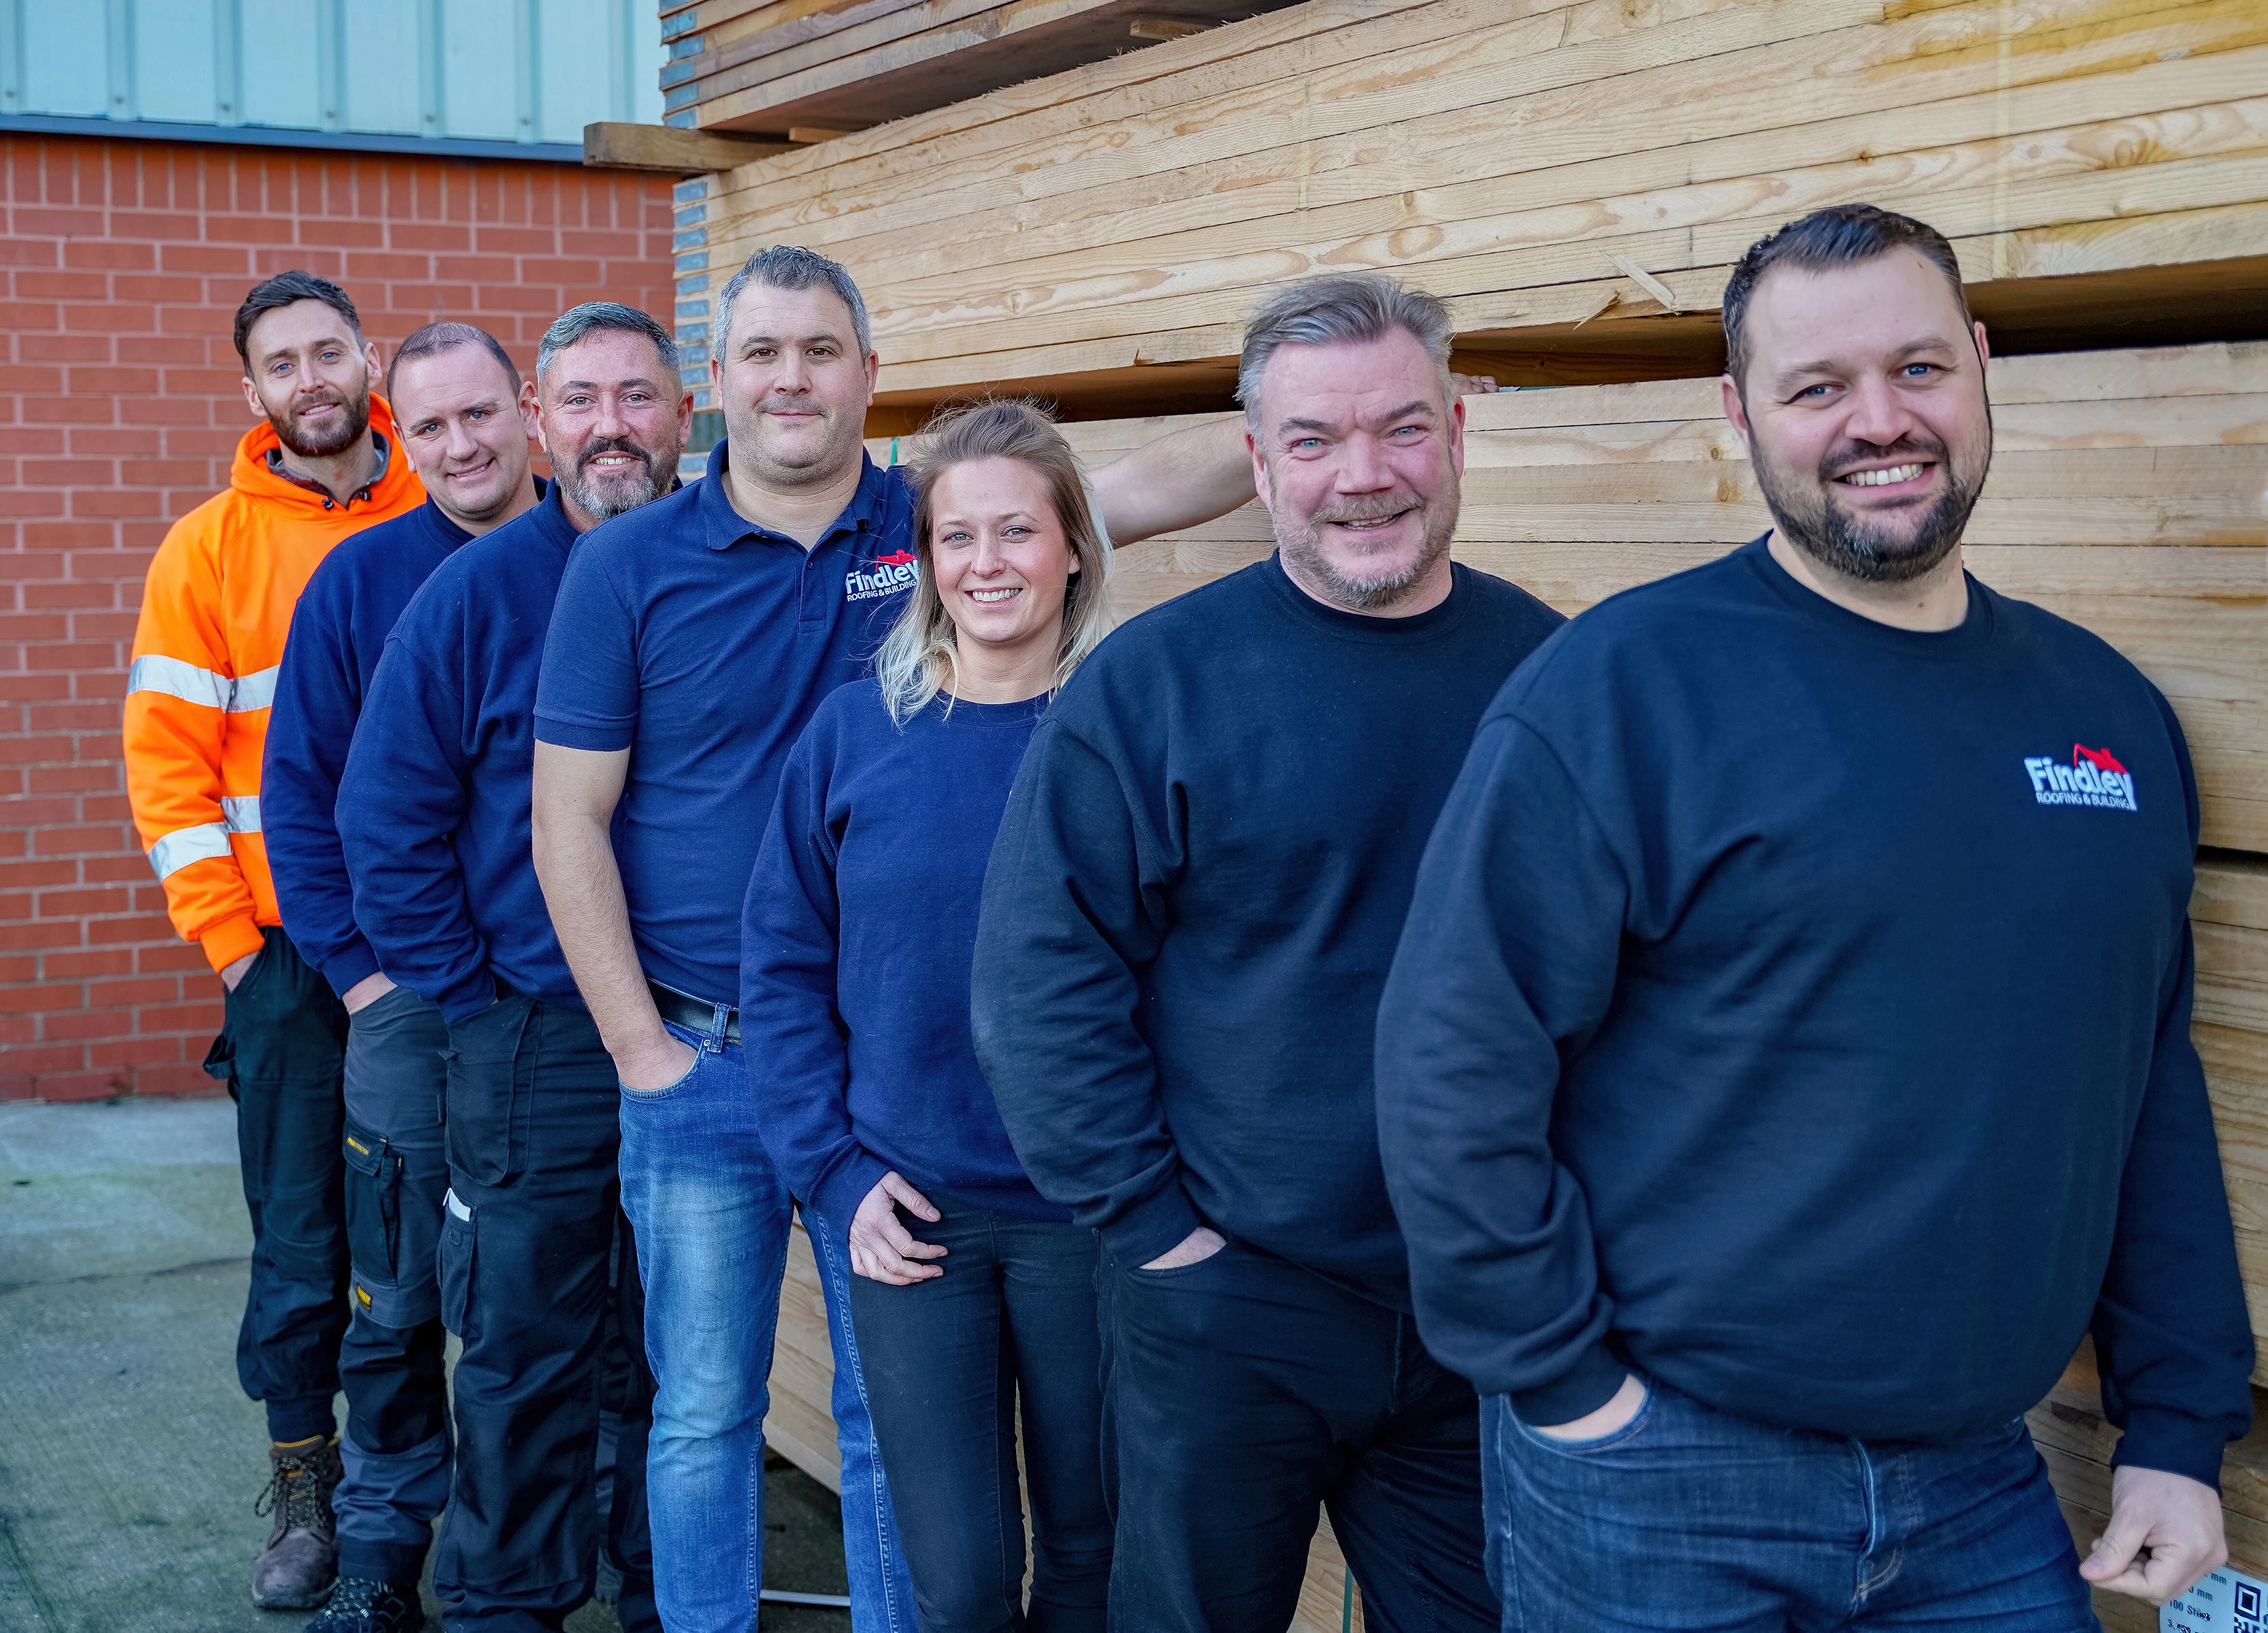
point(1190, 908)
point(537, 1260)
point(1787, 1064)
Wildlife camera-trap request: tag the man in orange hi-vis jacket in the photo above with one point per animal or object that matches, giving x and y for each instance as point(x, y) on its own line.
point(325, 463)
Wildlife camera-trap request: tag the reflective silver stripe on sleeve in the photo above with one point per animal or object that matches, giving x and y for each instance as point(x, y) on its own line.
point(184, 845)
point(256, 690)
point(203, 686)
point(240, 813)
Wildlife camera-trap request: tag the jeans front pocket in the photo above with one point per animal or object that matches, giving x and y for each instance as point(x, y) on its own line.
point(1608, 1441)
point(491, 1085)
point(373, 1200)
point(455, 1263)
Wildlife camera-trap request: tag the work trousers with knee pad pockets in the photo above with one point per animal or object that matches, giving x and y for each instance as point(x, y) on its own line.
point(396, 1446)
point(713, 1216)
point(535, 1255)
point(280, 1051)
point(1242, 1392)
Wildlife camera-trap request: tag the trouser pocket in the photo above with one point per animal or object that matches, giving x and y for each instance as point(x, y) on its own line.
point(459, 1244)
point(374, 1174)
point(491, 1079)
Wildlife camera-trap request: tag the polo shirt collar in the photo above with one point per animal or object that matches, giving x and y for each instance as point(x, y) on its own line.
point(723, 526)
point(360, 495)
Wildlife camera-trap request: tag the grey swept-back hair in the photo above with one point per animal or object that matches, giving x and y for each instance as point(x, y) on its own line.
point(791, 267)
point(918, 656)
point(577, 323)
point(1339, 309)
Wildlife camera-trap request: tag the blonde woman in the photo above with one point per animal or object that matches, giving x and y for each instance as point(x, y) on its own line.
point(973, 1292)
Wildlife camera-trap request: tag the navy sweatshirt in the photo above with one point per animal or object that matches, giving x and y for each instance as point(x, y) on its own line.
point(855, 950)
point(1194, 900)
point(1797, 1009)
point(338, 630)
point(434, 806)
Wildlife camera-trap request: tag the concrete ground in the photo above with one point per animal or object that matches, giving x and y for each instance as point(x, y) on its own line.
point(129, 1458)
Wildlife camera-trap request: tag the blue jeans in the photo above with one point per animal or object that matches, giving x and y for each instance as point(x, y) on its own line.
point(1689, 1520)
point(712, 1216)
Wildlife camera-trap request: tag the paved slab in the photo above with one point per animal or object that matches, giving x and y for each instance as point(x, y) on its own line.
point(129, 1458)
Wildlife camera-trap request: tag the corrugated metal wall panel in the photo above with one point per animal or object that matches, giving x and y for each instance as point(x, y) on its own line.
point(509, 70)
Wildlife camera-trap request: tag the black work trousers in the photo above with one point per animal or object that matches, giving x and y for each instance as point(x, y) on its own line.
point(537, 1262)
point(280, 1048)
point(947, 1361)
point(1243, 1392)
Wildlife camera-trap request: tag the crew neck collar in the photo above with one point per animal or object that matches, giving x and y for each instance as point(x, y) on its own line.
point(1337, 620)
point(1970, 636)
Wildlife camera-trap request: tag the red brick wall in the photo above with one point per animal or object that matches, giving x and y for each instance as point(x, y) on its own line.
point(124, 261)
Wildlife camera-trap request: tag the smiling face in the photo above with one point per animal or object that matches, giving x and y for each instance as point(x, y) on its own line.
point(467, 428)
point(794, 386)
point(1357, 452)
point(312, 376)
point(614, 418)
point(1002, 560)
point(1864, 414)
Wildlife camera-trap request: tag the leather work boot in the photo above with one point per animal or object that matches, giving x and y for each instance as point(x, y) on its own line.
point(295, 1571)
point(359, 1605)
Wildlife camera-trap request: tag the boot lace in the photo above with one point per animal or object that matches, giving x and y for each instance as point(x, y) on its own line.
point(296, 1488)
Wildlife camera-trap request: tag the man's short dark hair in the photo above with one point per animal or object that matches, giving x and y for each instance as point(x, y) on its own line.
point(791, 267)
point(436, 338)
point(283, 290)
point(593, 317)
point(1841, 235)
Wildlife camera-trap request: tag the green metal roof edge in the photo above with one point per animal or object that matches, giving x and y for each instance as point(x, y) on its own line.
point(278, 135)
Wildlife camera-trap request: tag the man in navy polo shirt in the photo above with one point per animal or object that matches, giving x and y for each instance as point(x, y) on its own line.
point(466, 425)
point(536, 1261)
point(690, 645)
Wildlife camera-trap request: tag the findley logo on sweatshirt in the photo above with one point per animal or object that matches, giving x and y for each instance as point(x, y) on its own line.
point(2094, 777)
point(885, 575)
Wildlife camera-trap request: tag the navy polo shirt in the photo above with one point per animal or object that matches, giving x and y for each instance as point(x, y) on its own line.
point(704, 644)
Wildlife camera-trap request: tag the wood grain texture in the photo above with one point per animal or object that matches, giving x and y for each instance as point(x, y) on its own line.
point(1516, 157)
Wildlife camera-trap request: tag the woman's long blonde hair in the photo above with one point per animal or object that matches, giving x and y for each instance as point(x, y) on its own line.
point(918, 657)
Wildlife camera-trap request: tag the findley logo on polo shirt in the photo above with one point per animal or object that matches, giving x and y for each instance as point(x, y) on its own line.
point(885, 575)
point(2094, 777)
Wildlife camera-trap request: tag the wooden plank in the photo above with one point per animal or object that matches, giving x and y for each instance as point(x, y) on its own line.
point(610, 145)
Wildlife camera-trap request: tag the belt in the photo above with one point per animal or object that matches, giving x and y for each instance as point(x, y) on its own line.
point(694, 1014)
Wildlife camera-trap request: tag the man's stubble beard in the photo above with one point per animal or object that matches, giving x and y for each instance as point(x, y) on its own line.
point(839, 448)
point(1804, 510)
point(1301, 544)
point(322, 446)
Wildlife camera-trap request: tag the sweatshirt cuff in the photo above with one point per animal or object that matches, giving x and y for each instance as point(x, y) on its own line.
point(230, 940)
point(1579, 1391)
point(351, 963)
point(835, 1199)
point(2172, 1441)
point(1154, 1225)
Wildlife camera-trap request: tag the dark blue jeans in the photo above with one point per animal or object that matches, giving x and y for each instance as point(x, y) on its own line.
point(1689, 1520)
point(946, 1360)
point(1243, 1392)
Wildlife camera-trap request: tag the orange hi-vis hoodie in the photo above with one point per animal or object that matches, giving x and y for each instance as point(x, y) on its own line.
point(215, 606)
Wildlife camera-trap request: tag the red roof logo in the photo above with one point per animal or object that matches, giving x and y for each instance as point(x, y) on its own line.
point(896, 558)
point(2100, 759)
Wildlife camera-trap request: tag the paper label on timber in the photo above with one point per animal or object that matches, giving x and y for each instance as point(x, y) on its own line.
point(2226, 1602)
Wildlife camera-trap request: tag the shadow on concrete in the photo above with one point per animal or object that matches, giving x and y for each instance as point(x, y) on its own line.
point(129, 1458)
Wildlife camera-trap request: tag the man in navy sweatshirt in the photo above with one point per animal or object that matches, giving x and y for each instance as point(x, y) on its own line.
point(1190, 911)
point(1786, 1062)
point(536, 1263)
point(465, 424)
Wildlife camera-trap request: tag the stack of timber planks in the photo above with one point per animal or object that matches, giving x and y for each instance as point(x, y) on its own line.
point(1575, 176)
point(783, 66)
